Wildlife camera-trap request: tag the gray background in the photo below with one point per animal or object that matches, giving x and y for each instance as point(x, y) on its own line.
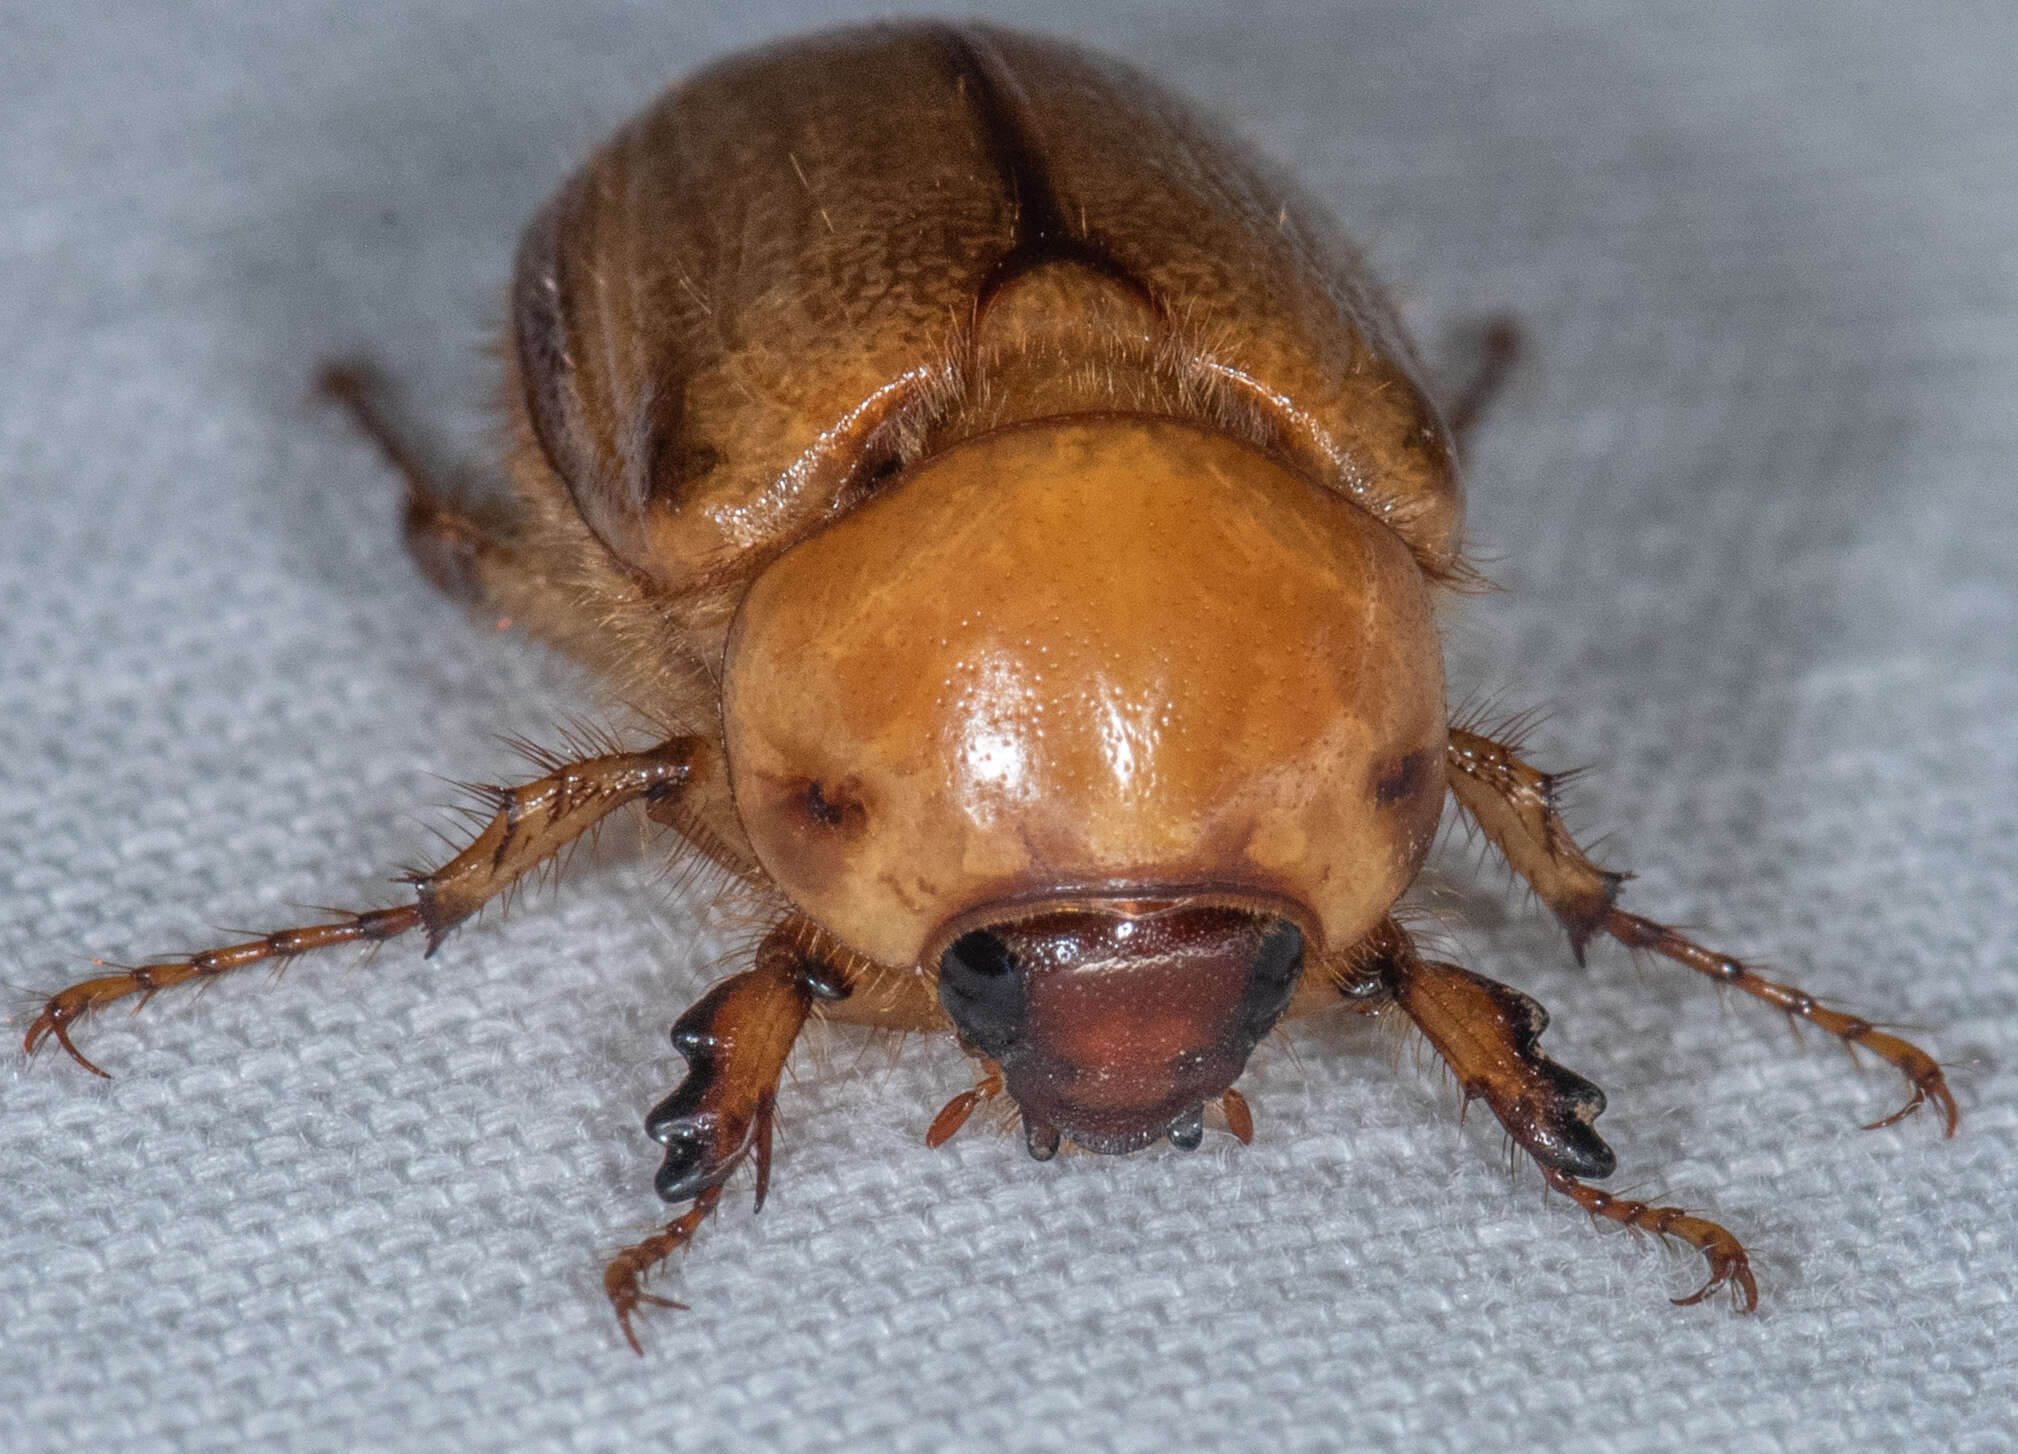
point(1754, 508)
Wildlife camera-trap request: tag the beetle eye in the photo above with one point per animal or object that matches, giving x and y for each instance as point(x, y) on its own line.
point(981, 954)
point(981, 990)
point(1278, 965)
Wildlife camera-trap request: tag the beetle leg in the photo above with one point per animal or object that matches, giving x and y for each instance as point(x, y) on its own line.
point(1486, 1033)
point(531, 824)
point(1495, 347)
point(1515, 805)
point(1729, 1266)
point(735, 1040)
point(451, 537)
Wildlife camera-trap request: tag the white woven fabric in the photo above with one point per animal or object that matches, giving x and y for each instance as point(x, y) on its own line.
point(1754, 505)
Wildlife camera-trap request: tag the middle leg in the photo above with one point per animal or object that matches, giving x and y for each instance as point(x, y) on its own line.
point(530, 825)
point(1515, 806)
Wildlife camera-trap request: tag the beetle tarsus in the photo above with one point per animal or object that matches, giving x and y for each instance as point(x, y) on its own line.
point(624, 1278)
point(1729, 1265)
point(1921, 1095)
point(87, 997)
point(1922, 1072)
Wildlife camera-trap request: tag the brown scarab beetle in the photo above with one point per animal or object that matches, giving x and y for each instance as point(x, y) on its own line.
point(1035, 516)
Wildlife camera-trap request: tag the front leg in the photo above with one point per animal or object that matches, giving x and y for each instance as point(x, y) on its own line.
point(735, 1040)
point(1486, 1033)
point(1515, 806)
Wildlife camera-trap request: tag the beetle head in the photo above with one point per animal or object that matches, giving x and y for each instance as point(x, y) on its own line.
point(1114, 1020)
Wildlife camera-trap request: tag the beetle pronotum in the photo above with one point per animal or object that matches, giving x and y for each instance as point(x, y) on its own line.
point(1036, 504)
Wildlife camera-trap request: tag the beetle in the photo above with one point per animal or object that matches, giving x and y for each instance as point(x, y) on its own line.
point(1036, 520)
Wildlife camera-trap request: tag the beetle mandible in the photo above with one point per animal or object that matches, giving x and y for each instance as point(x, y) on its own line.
point(1038, 515)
